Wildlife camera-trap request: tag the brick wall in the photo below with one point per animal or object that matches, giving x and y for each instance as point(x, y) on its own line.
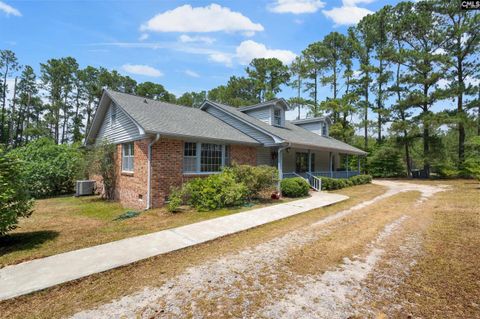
point(131, 188)
point(167, 168)
point(167, 171)
point(242, 154)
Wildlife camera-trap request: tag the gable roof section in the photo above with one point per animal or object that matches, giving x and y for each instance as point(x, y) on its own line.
point(274, 102)
point(312, 120)
point(293, 134)
point(171, 120)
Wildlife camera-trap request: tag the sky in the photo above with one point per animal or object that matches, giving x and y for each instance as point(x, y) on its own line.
point(185, 46)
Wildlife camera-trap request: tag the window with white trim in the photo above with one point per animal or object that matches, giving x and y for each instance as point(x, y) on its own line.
point(127, 157)
point(324, 129)
point(277, 117)
point(190, 157)
point(205, 157)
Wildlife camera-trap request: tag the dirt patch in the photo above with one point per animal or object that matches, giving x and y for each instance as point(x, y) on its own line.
point(236, 285)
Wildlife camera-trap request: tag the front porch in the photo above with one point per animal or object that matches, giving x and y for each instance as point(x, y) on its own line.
point(314, 164)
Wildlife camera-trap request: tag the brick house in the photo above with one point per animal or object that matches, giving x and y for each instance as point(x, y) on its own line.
point(161, 145)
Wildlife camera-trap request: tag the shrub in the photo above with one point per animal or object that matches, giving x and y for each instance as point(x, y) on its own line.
point(386, 161)
point(14, 198)
point(103, 163)
point(49, 169)
point(175, 200)
point(339, 183)
point(294, 187)
point(257, 179)
point(215, 191)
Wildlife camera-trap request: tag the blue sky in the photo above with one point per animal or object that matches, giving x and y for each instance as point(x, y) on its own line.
point(186, 46)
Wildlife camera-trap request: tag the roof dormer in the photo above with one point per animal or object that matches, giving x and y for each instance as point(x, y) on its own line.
point(317, 125)
point(270, 112)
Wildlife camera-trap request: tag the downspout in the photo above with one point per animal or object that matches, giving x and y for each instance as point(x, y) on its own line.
point(149, 170)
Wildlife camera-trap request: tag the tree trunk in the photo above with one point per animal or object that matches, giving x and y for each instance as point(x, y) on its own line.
point(10, 124)
point(4, 104)
point(461, 116)
point(366, 116)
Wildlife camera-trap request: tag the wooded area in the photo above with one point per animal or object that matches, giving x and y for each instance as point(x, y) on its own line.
point(404, 85)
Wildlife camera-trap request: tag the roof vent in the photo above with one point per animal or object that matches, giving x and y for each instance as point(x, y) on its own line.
point(145, 101)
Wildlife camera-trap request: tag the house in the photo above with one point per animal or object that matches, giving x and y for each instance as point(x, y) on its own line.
point(161, 145)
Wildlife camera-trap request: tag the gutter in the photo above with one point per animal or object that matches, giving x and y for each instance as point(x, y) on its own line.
point(149, 170)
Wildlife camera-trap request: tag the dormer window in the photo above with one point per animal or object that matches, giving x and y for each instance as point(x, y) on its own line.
point(277, 117)
point(324, 129)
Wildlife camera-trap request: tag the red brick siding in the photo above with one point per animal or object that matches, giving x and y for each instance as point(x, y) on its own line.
point(167, 168)
point(242, 154)
point(167, 171)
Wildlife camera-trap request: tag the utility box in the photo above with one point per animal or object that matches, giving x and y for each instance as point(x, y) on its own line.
point(85, 187)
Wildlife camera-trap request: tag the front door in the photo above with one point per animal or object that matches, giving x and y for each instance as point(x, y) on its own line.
point(301, 162)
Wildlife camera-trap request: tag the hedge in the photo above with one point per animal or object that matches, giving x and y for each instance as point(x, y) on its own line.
point(338, 183)
point(294, 187)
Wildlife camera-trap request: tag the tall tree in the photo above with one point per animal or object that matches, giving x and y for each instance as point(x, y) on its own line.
point(424, 67)
point(238, 91)
point(362, 40)
point(268, 75)
point(297, 73)
point(312, 58)
point(463, 42)
point(8, 65)
point(27, 91)
point(154, 91)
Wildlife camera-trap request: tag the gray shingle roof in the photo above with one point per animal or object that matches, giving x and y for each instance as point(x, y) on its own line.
point(294, 134)
point(174, 120)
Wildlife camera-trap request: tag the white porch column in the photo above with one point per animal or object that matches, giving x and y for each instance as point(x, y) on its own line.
point(280, 164)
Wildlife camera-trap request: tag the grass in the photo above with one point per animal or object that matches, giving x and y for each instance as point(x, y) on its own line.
point(445, 283)
point(94, 290)
point(67, 223)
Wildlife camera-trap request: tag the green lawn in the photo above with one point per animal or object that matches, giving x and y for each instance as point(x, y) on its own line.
point(66, 223)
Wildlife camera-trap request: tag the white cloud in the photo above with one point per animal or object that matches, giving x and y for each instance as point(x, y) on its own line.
point(143, 37)
point(191, 73)
point(296, 6)
point(141, 69)
point(353, 3)
point(186, 39)
point(9, 10)
point(248, 50)
point(220, 57)
point(212, 18)
point(347, 14)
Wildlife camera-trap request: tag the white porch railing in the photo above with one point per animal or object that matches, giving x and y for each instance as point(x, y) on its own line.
point(315, 182)
point(336, 174)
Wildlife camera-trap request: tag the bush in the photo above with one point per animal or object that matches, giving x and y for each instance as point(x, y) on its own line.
point(386, 161)
point(49, 169)
point(103, 163)
point(294, 187)
point(175, 200)
point(339, 183)
point(257, 179)
point(215, 191)
point(14, 198)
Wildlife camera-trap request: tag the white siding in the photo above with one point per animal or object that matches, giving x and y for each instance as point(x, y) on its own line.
point(124, 129)
point(263, 114)
point(315, 127)
point(241, 126)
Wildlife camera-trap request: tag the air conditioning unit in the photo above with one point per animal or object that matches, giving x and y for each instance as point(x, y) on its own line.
point(85, 187)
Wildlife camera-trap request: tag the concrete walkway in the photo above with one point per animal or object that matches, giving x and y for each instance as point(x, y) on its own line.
point(30, 276)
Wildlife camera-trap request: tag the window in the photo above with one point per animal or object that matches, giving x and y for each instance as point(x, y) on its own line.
point(205, 157)
point(127, 157)
point(211, 158)
point(324, 129)
point(190, 157)
point(301, 162)
point(277, 117)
